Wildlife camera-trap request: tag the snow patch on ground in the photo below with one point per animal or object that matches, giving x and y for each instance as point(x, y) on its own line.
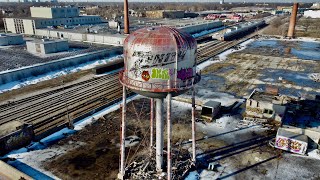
point(205, 95)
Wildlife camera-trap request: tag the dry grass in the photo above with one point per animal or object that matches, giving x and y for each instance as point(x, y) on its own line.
point(216, 67)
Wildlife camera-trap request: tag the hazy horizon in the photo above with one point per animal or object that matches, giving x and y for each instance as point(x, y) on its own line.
point(208, 1)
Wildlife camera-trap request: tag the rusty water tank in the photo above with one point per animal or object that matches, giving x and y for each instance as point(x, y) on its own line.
point(158, 61)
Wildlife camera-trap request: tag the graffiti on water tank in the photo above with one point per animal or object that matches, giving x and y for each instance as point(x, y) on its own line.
point(148, 60)
point(158, 73)
point(184, 74)
point(145, 75)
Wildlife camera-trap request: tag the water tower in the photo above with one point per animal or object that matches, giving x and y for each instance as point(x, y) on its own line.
point(159, 62)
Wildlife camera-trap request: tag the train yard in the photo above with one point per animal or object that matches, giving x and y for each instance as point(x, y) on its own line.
point(50, 111)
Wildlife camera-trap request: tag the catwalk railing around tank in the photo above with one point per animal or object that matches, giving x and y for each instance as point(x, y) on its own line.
point(159, 86)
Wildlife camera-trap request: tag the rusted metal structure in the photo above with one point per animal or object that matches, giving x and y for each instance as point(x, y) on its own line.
point(293, 20)
point(160, 62)
point(126, 17)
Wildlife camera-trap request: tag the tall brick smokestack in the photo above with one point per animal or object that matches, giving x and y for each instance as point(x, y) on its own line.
point(293, 20)
point(126, 17)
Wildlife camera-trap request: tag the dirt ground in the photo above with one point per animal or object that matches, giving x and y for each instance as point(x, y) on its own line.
point(305, 27)
point(244, 71)
point(99, 157)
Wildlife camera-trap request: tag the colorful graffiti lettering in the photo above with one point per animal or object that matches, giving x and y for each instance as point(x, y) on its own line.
point(289, 144)
point(148, 60)
point(145, 75)
point(160, 74)
point(184, 74)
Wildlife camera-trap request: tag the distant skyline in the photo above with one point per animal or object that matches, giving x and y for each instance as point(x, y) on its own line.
point(214, 1)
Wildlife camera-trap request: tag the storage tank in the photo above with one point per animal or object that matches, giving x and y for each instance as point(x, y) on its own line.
point(159, 60)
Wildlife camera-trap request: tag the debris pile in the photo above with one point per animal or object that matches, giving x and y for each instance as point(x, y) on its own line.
point(144, 167)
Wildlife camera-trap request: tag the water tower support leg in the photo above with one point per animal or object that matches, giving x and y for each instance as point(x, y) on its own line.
point(123, 135)
point(169, 131)
point(193, 127)
point(151, 124)
point(159, 134)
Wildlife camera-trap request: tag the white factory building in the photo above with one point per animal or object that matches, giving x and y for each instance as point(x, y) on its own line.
point(10, 39)
point(42, 17)
point(46, 46)
point(312, 14)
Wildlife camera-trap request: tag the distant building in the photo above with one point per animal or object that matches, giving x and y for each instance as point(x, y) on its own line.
point(165, 14)
point(312, 14)
point(10, 39)
point(316, 5)
point(276, 12)
point(46, 46)
point(221, 1)
point(54, 12)
point(42, 17)
point(266, 105)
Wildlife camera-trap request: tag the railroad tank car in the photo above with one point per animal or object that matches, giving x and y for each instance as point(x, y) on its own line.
point(109, 66)
point(240, 30)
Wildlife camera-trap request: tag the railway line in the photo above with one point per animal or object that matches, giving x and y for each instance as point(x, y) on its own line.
point(212, 49)
point(50, 111)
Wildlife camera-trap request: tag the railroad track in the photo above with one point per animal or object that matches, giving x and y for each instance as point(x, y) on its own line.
point(210, 50)
point(49, 110)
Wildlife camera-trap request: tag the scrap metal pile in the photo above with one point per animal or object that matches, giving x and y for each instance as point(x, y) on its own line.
point(144, 167)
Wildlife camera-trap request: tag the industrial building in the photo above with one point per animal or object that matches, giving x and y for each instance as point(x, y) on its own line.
point(54, 12)
point(266, 105)
point(117, 39)
point(165, 14)
point(46, 46)
point(312, 14)
point(42, 17)
point(10, 39)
